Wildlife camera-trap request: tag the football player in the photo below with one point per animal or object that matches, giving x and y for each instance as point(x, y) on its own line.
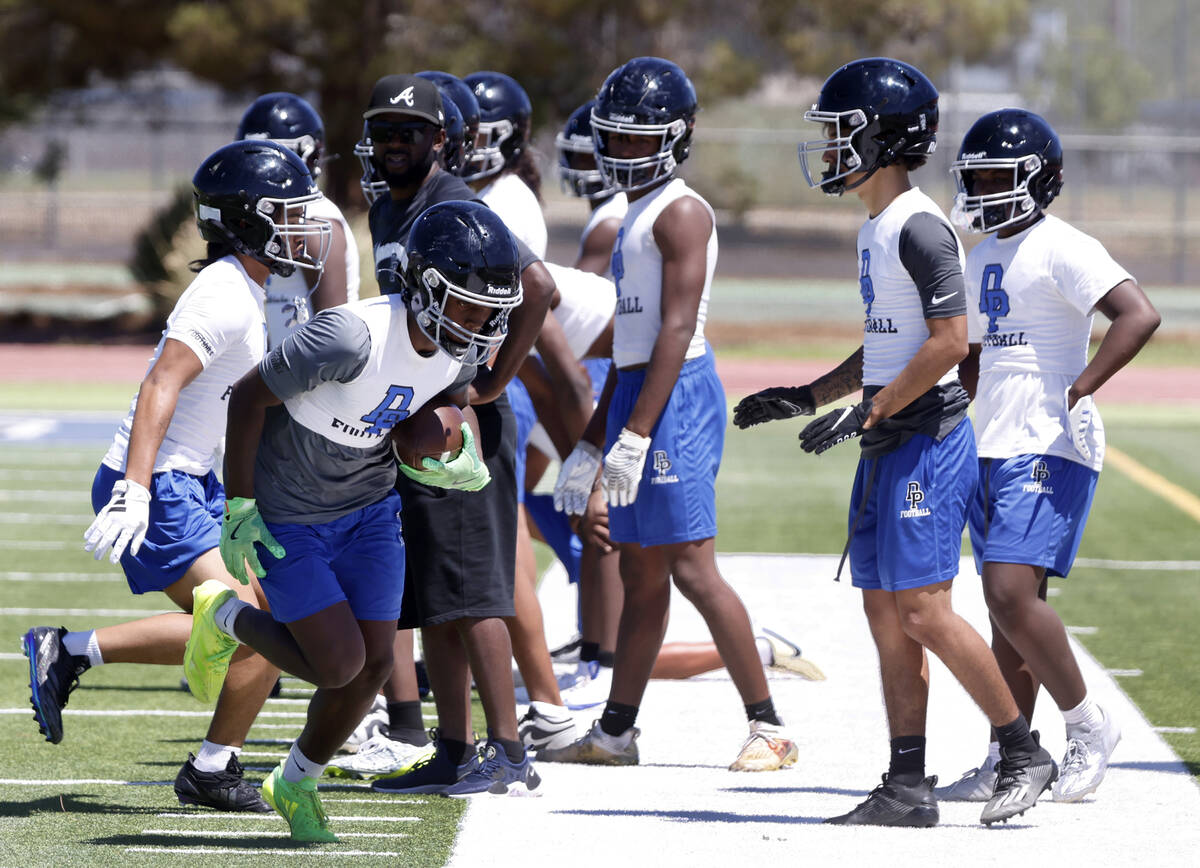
point(157, 498)
point(662, 399)
point(290, 121)
point(1033, 286)
point(312, 482)
point(918, 470)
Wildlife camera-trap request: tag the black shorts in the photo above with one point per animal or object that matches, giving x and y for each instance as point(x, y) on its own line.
point(462, 545)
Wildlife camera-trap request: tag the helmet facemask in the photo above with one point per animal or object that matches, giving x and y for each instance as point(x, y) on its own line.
point(587, 183)
point(486, 157)
point(371, 182)
point(428, 292)
point(260, 235)
point(992, 211)
point(638, 173)
point(842, 129)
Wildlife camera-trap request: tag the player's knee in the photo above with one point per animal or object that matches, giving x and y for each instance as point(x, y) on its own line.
point(337, 669)
point(1003, 603)
point(920, 624)
point(377, 668)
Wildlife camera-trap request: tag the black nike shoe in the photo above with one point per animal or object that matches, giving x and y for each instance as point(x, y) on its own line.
point(53, 674)
point(895, 804)
point(1021, 778)
point(224, 790)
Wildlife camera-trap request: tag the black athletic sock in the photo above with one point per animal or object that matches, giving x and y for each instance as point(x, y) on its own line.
point(764, 711)
point(415, 737)
point(605, 659)
point(908, 760)
point(406, 724)
point(617, 718)
point(514, 750)
point(589, 651)
point(454, 750)
point(1016, 736)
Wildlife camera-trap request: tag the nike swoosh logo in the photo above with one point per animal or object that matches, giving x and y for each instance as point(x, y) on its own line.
point(935, 301)
point(842, 417)
point(233, 534)
point(908, 750)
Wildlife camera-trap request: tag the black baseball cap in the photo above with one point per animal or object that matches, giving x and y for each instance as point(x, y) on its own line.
point(408, 95)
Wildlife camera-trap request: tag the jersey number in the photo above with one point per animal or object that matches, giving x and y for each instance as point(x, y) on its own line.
point(392, 409)
point(993, 300)
point(865, 287)
point(618, 261)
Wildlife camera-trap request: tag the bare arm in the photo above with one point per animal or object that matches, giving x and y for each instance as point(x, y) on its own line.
point(524, 325)
point(968, 370)
point(597, 249)
point(330, 290)
point(571, 384)
point(1134, 319)
point(943, 349)
point(537, 382)
point(243, 429)
point(681, 232)
point(177, 366)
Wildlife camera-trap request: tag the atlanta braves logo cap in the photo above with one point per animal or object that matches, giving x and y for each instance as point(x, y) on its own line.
point(407, 95)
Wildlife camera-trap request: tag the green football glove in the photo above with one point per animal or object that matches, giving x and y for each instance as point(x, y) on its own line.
point(467, 472)
point(242, 528)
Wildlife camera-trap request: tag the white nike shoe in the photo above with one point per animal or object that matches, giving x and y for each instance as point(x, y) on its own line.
point(375, 722)
point(591, 687)
point(975, 785)
point(379, 756)
point(1086, 760)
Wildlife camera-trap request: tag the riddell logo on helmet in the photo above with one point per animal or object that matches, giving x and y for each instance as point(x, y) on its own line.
point(977, 155)
point(625, 119)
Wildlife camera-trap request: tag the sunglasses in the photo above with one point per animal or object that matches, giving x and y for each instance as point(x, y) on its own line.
point(406, 133)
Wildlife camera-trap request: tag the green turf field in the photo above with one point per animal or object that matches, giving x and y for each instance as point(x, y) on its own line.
point(772, 498)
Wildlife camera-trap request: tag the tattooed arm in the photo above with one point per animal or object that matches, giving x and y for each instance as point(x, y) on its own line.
point(843, 380)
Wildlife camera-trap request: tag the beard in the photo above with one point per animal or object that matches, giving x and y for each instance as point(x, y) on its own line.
point(414, 174)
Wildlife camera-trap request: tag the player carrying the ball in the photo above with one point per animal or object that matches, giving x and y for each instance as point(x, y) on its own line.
point(309, 474)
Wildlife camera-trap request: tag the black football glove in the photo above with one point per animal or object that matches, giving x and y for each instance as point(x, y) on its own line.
point(834, 427)
point(778, 402)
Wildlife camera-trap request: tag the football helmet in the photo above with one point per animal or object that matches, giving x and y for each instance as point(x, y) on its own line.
point(288, 120)
point(647, 96)
point(454, 89)
point(461, 250)
point(371, 181)
point(575, 140)
point(874, 112)
point(1015, 141)
point(252, 196)
point(504, 116)
point(458, 140)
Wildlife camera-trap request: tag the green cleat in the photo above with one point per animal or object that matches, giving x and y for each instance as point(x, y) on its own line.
point(299, 805)
point(209, 648)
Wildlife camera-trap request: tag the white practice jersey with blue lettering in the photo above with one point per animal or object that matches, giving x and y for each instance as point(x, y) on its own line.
point(1030, 307)
point(289, 300)
point(219, 317)
point(511, 198)
point(613, 208)
point(585, 306)
point(895, 327)
point(637, 271)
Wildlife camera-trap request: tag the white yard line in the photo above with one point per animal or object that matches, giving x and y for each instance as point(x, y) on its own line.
point(262, 833)
point(272, 818)
point(33, 576)
point(150, 712)
point(78, 613)
point(237, 851)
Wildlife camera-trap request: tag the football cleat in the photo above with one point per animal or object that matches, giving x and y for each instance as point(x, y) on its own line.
point(53, 674)
point(1021, 778)
point(225, 790)
point(597, 747)
point(787, 657)
point(539, 730)
point(497, 774)
point(380, 756)
point(1086, 760)
point(975, 785)
point(765, 750)
point(895, 804)
point(434, 774)
point(209, 648)
point(299, 805)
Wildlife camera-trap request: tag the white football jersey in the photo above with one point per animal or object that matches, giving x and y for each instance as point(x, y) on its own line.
point(1030, 304)
point(895, 328)
point(394, 378)
point(585, 306)
point(511, 198)
point(287, 303)
point(220, 318)
point(613, 209)
point(637, 272)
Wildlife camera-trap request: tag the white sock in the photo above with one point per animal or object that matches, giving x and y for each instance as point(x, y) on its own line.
point(297, 766)
point(214, 757)
point(554, 712)
point(765, 654)
point(993, 756)
point(227, 613)
point(1085, 715)
point(83, 644)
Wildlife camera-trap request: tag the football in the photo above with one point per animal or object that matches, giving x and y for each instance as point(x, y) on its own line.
point(434, 431)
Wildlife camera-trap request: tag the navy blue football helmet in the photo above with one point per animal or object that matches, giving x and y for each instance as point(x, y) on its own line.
point(504, 117)
point(251, 195)
point(458, 140)
point(456, 90)
point(574, 144)
point(1012, 140)
point(875, 112)
point(463, 251)
point(371, 181)
point(647, 96)
point(288, 120)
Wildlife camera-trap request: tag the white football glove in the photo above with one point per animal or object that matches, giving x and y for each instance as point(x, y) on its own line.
point(576, 478)
point(1079, 422)
point(623, 467)
point(122, 523)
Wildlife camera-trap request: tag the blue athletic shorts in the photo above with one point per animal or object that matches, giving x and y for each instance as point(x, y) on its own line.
point(677, 497)
point(358, 558)
point(185, 522)
point(598, 371)
point(522, 405)
point(1036, 508)
point(909, 533)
